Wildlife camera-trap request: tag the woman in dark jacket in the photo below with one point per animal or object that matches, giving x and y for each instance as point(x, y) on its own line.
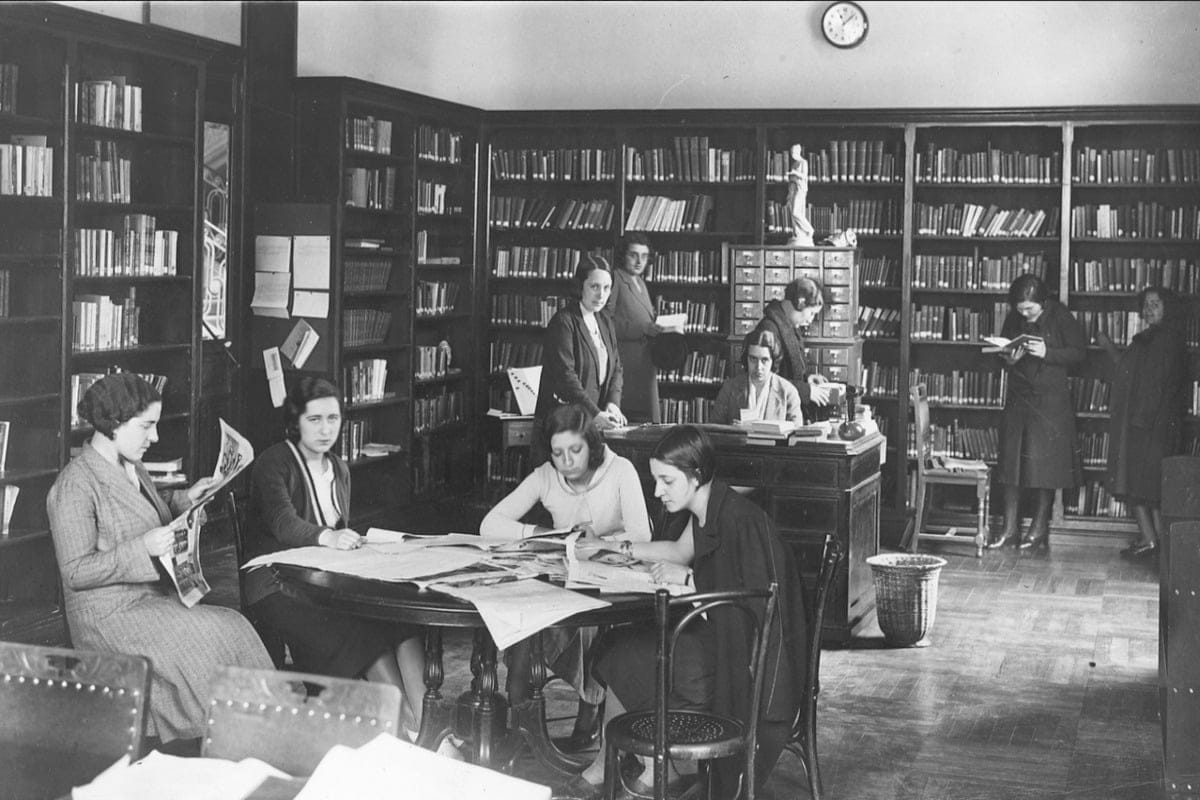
point(1038, 448)
point(802, 302)
point(729, 543)
point(1149, 396)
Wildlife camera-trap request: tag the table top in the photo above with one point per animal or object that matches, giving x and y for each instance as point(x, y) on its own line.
point(735, 436)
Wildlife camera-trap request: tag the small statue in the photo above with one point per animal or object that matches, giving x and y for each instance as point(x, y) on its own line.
point(797, 199)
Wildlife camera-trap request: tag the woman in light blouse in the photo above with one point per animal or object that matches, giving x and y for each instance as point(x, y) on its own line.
point(759, 390)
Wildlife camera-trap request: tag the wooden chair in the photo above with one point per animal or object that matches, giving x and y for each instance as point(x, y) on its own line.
point(929, 475)
point(66, 715)
point(693, 735)
point(291, 719)
point(270, 638)
point(803, 740)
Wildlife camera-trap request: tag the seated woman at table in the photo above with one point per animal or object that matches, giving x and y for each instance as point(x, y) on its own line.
point(758, 392)
point(716, 540)
point(300, 496)
point(108, 523)
point(587, 486)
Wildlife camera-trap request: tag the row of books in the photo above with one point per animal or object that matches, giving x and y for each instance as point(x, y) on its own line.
point(27, 167)
point(843, 161)
point(955, 323)
point(432, 362)
point(100, 323)
point(432, 467)
point(878, 323)
point(1092, 499)
point(442, 145)
point(517, 212)
point(975, 273)
point(956, 387)
point(1119, 274)
point(974, 220)
point(508, 469)
point(435, 411)
point(694, 267)
point(701, 317)
point(524, 310)
point(355, 433)
point(1195, 408)
point(689, 161)
point(133, 246)
point(433, 248)
point(436, 297)
point(5, 292)
point(684, 411)
point(370, 187)
point(526, 261)
point(1120, 326)
point(949, 165)
point(555, 164)
point(1137, 165)
point(109, 103)
point(9, 73)
point(698, 368)
point(1141, 220)
point(879, 272)
point(1093, 448)
point(655, 213)
point(366, 380)
point(364, 326)
point(82, 381)
point(365, 274)
point(958, 441)
point(871, 217)
point(1090, 395)
point(368, 134)
point(503, 354)
point(103, 174)
point(432, 198)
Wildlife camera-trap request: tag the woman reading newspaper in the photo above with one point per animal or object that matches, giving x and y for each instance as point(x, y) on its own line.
point(109, 524)
point(585, 486)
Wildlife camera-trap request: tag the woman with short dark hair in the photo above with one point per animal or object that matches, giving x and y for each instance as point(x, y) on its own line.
point(802, 301)
point(758, 390)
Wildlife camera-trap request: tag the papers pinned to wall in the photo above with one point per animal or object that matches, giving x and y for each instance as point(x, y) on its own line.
point(299, 344)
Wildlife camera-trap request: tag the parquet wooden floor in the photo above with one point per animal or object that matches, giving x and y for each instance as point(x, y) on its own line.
point(1040, 684)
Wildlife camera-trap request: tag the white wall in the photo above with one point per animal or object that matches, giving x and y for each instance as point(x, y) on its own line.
point(215, 19)
point(644, 55)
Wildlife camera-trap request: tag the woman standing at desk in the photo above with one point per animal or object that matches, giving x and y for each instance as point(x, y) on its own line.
point(109, 524)
point(1038, 449)
point(300, 496)
point(580, 360)
point(758, 390)
point(802, 301)
point(716, 540)
point(587, 486)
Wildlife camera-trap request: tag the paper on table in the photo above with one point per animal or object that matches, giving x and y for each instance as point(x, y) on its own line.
point(396, 562)
point(525, 382)
point(518, 609)
point(274, 369)
point(373, 771)
point(310, 262)
point(272, 253)
point(613, 572)
point(160, 775)
point(271, 294)
point(310, 304)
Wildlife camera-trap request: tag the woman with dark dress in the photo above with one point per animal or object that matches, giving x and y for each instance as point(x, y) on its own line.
point(300, 497)
point(715, 540)
point(1038, 448)
point(1149, 397)
point(802, 301)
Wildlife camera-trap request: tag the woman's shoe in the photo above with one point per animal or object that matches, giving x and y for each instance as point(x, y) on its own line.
point(996, 543)
point(1031, 541)
point(578, 788)
point(586, 732)
point(1143, 550)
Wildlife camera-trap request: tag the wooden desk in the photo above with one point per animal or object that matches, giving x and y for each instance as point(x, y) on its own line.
point(809, 489)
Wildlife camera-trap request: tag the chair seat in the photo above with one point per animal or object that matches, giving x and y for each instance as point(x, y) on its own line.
point(956, 476)
point(692, 735)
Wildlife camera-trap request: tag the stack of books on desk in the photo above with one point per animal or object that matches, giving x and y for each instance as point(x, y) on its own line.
point(771, 432)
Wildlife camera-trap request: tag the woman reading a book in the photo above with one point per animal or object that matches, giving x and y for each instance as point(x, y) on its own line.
point(758, 392)
point(110, 525)
point(802, 301)
point(580, 360)
point(588, 487)
point(300, 497)
point(715, 540)
point(1038, 449)
point(1149, 397)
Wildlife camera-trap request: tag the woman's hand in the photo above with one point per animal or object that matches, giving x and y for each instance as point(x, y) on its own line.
point(669, 572)
point(344, 539)
point(587, 530)
point(818, 388)
point(197, 489)
point(159, 541)
point(1035, 348)
point(611, 417)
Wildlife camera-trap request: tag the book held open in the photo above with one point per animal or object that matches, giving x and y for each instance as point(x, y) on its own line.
point(999, 344)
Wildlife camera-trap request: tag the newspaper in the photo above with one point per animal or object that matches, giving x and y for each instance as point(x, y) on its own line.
point(183, 565)
point(613, 572)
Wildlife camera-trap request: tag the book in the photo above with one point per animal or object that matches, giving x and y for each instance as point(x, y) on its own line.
point(999, 344)
point(4, 426)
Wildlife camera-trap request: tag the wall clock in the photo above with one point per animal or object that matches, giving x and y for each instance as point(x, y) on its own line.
point(844, 24)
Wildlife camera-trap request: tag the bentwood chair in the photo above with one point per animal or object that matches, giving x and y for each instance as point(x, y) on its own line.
point(65, 716)
point(803, 739)
point(291, 719)
point(930, 475)
point(271, 639)
point(666, 733)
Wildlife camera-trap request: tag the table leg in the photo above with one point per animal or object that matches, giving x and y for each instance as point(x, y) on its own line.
point(529, 718)
point(436, 719)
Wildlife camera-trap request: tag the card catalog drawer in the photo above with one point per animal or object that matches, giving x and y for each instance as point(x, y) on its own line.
point(838, 294)
point(743, 326)
point(835, 330)
point(807, 258)
point(807, 272)
point(747, 292)
point(836, 312)
point(837, 277)
point(777, 258)
point(747, 275)
point(747, 258)
point(747, 310)
point(842, 259)
point(835, 356)
point(518, 433)
point(774, 291)
point(835, 373)
point(778, 275)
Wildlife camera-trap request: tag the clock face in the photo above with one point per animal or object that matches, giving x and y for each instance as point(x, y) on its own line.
point(844, 24)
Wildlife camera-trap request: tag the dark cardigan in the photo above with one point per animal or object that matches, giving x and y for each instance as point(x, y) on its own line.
point(570, 364)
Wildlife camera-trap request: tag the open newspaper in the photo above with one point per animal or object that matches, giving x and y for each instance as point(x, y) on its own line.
point(183, 565)
point(609, 570)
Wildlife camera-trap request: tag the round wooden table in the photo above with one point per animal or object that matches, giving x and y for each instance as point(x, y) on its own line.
point(478, 716)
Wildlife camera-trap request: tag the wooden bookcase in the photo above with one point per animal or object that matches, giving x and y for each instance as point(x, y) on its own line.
point(99, 255)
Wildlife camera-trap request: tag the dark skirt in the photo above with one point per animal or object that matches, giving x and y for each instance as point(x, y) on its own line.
point(1038, 447)
point(327, 642)
point(626, 660)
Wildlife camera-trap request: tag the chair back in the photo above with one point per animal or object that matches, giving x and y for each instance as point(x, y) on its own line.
point(291, 719)
point(757, 608)
point(920, 404)
point(235, 516)
point(66, 715)
point(802, 740)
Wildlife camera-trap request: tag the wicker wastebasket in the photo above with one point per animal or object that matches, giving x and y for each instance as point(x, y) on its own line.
point(906, 596)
